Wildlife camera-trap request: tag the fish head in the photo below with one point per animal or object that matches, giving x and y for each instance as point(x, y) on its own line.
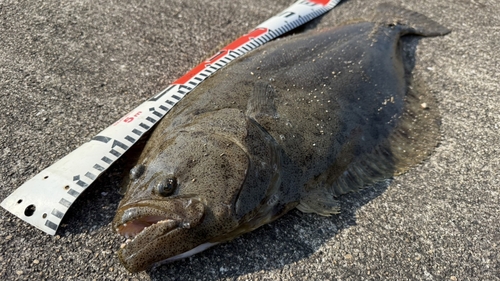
point(189, 191)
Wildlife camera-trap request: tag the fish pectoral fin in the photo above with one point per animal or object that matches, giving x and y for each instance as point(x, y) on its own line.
point(319, 201)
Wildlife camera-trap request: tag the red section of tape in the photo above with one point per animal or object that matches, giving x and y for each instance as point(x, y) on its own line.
point(245, 38)
point(320, 2)
point(197, 69)
point(232, 46)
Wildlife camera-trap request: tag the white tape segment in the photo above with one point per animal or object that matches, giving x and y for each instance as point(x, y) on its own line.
point(43, 200)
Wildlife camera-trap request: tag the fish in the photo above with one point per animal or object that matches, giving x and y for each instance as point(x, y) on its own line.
point(296, 123)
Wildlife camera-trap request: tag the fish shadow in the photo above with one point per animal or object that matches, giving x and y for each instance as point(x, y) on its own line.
point(291, 238)
point(98, 204)
point(96, 207)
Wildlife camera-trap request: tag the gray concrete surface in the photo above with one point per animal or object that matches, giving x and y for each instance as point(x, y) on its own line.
point(70, 68)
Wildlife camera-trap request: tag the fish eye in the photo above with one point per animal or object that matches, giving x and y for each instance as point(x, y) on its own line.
point(166, 186)
point(137, 171)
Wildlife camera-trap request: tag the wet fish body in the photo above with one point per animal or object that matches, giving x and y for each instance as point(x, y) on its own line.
point(294, 124)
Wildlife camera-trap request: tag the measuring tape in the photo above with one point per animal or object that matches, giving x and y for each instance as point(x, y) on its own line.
point(44, 200)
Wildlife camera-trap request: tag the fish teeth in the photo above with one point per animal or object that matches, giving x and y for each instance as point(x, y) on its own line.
point(128, 235)
point(123, 245)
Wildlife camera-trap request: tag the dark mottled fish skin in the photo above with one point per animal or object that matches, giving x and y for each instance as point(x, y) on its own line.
point(296, 123)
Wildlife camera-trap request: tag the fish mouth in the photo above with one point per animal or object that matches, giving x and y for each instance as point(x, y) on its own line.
point(134, 227)
point(149, 225)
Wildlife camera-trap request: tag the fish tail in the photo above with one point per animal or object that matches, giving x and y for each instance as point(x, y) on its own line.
point(410, 21)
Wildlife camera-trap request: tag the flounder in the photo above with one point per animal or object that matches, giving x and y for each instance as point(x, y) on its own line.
point(293, 124)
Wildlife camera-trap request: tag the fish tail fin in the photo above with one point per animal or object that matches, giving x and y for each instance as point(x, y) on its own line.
point(413, 22)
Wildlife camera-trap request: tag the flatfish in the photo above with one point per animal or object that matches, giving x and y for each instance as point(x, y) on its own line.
point(294, 124)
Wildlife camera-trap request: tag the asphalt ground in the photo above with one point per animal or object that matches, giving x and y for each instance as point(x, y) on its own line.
point(69, 69)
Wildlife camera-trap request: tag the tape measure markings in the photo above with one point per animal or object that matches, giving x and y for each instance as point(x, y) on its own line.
point(37, 194)
point(57, 214)
point(65, 202)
